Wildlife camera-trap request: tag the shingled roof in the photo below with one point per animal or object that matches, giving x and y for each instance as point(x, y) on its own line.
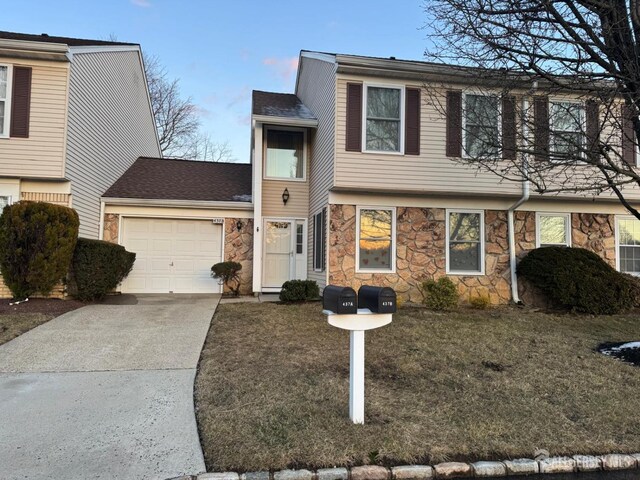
point(171, 179)
point(286, 105)
point(43, 37)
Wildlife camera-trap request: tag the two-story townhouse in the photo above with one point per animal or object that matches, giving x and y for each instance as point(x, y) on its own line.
point(74, 115)
point(356, 172)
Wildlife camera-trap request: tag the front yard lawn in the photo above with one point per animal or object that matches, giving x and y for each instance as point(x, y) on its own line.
point(18, 319)
point(272, 388)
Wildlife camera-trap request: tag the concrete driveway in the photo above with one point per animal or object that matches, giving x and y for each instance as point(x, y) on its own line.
point(105, 391)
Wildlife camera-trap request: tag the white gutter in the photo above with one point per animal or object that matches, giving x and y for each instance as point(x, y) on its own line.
point(178, 203)
point(525, 196)
point(101, 227)
point(300, 122)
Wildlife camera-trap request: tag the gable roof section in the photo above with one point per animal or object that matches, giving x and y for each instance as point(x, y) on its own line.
point(281, 108)
point(186, 180)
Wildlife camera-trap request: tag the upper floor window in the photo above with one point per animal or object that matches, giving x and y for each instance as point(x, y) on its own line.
point(5, 90)
point(481, 125)
point(383, 119)
point(567, 129)
point(285, 154)
point(554, 229)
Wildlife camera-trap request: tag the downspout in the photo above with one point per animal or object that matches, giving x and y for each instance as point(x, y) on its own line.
point(101, 227)
point(510, 215)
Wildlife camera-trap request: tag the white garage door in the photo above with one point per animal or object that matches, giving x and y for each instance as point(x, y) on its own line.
point(172, 255)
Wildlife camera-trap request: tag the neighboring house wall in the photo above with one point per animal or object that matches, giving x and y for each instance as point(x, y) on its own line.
point(110, 125)
point(42, 154)
point(316, 88)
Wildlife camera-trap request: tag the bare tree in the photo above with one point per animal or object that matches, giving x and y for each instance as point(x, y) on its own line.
point(202, 147)
point(532, 59)
point(176, 118)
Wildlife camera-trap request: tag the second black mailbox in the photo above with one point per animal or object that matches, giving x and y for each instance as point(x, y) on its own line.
point(377, 299)
point(340, 300)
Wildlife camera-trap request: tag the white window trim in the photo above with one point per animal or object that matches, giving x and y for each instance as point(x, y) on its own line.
point(482, 243)
point(7, 105)
point(394, 246)
point(617, 238)
point(364, 117)
point(321, 268)
point(464, 118)
point(567, 222)
point(304, 153)
point(583, 123)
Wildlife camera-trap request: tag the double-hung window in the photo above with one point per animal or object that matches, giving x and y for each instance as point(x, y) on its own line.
point(383, 119)
point(628, 232)
point(481, 126)
point(319, 240)
point(285, 154)
point(567, 129)
point(376, 228)
point(5, 95)
point(465, 242)
point(553, 229)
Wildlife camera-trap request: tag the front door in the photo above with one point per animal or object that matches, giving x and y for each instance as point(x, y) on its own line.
point(278, 253)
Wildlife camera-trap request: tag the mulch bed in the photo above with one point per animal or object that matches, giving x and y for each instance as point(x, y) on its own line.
point(49, 306)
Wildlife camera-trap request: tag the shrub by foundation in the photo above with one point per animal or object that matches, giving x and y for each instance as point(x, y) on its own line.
point(98, 267)
point(481, 301)
point(299, 291)
point(37, 240)
point(229, 274)
point(578, 280)
point(440, 294)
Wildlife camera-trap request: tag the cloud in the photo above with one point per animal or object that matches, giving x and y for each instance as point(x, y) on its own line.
point(285, 68)
point(239, 96)
point(141, 3)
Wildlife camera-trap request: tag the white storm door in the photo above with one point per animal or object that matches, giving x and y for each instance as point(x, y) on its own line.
point(278, 253)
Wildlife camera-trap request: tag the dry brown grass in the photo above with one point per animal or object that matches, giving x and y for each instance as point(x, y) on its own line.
point(15, 324)
point(272, 388)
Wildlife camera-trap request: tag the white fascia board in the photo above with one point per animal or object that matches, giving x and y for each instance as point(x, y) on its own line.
point(294, 122)
point(324, 57)
point(148, 202)
point(104, 48)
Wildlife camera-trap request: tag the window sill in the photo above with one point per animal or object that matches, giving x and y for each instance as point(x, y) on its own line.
point(284, 179)
point(376, 271)
point(382, 152)
point(465, 274)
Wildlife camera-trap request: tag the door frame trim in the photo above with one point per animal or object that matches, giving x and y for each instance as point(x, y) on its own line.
point(292, 266)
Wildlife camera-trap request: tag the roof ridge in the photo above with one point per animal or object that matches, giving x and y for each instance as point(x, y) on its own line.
point(164, 159)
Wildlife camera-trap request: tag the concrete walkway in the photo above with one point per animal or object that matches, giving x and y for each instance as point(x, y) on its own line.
point(106, 392)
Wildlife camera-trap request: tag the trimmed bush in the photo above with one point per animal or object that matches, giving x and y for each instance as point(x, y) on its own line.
point(440, 294)
point(36, 246)
point(229, 274)
point(299, 291)
point(481, 301)
point(578, 280)
point(98, 267)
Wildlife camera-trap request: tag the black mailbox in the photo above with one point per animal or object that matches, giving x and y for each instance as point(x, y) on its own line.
point(377, 299)
point(339, 299)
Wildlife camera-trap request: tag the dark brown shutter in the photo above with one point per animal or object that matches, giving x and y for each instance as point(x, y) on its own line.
point(454, 124)
point(509, 128)
point(628, 136)
point(20, 102)
point(592, 111)
point(541, 128)
point(412, 122)
point(354, 117)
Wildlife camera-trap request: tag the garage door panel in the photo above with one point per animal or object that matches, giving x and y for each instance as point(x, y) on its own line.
point(172, 255)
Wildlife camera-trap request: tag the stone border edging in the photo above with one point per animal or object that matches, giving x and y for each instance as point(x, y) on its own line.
point(520, 466)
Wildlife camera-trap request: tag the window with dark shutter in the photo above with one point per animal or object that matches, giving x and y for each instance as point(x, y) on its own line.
point(454, 124)
point(354, 117)
point(628, 136)
point(509, 128)
point(20, 102)
point(541, 128)
point(412, 122)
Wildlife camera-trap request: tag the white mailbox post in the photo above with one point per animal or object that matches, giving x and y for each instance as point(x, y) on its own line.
point(357, 324)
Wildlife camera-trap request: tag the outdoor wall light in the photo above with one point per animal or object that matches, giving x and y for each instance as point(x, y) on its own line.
point(239, 225)
point(285, 196)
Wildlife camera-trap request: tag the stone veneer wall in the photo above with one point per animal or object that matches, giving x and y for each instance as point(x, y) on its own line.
point(238, 247)
point(111, 225)
point(421, 244)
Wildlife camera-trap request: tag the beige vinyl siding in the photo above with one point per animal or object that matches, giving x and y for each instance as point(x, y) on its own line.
point(63, 199)
point(110, 125)
point(317, 89)
point(431, 171)
point(42, 154)
point(272, 204)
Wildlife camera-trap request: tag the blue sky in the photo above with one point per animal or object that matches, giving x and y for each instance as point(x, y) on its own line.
point(221, 50)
